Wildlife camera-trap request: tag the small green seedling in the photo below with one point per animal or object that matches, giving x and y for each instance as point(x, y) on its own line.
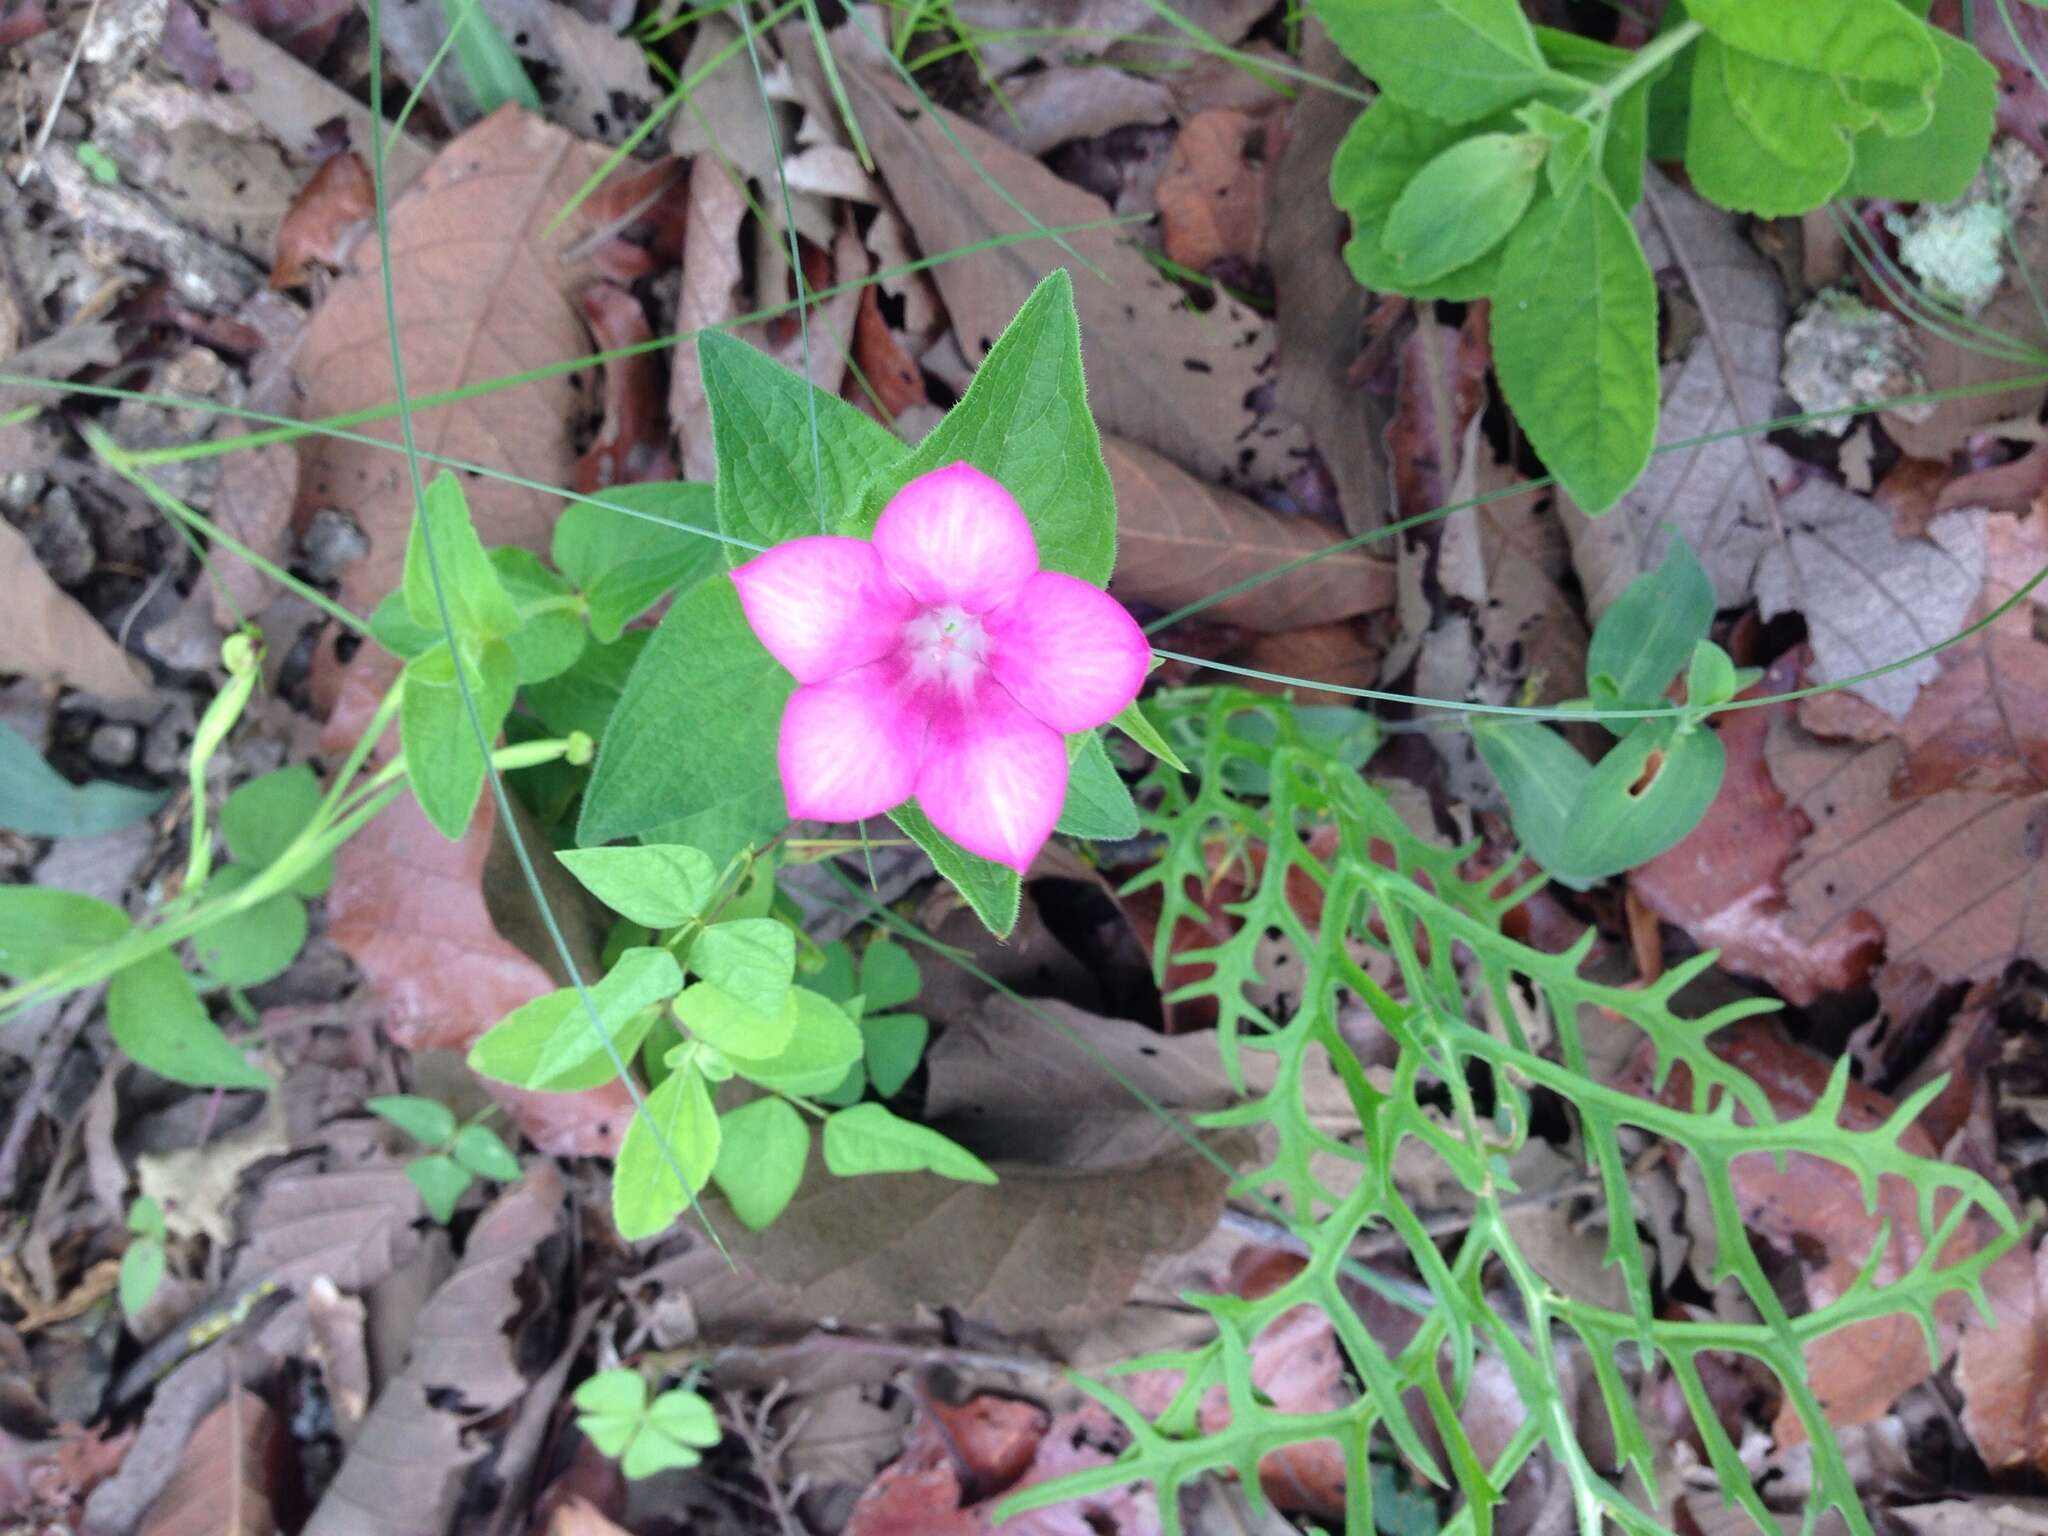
point(644, 1437)
point(142, 1262)
point(457, 1155)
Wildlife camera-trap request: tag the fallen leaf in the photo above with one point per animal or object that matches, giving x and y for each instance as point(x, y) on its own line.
point(1724, 883)
point(593, 81)
point(632, 440)
point(51, 638)
point(1983, 1514)
point(352, 1226)
point(1814, 1210)
point(1953, 879)
point(2002, 1367)
point(1137, 330)
point(1339, 653)
point(885, 362)
point(1180, 539)
point(324, 220)
point(1044, 109)
point(406, 1471)
point(709, 298)
point(223, 1482)
point(254, 501)
point(1073, 28)
point(480, 292)
point(408, 906)
point(1212, 191)
point(194, 1186)
point(579, 1517)
point(2022, 101)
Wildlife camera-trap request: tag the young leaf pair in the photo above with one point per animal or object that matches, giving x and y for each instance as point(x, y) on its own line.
point(456, 1156)
point(1583, 822)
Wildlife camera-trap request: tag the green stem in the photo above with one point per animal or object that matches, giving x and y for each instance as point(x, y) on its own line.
point(1650, 58)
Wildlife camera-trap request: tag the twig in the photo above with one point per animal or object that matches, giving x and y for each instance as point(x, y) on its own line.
point(42, 1073)
point(766, 1450)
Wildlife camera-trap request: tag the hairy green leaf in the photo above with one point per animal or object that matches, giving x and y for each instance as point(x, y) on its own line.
point(1454, 59)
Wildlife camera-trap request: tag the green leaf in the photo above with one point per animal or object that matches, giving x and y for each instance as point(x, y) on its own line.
point(684, 1417)
point(645, 1195)
point(992, 889)
point(892, 1046)
point(548, 641)
point(37, 800)
point(1866, 39)
point(392, 627)
point(751, 959)
point(869, 1139)
point(1729, 164)
point(146, 1218)
point(261, 818)
point(1024, 421)
point(1134, 723)
point(761, 1152)
point(478, 605)
point(768, 480)
point(651, 1454)
point(1937, 164)
point(719, 1019)
point(662, 885)
point(1569, 145)
point(1712, 678)
point(623, 564)
point(1575, 343)
point(1621, 157)
point(427, 1121)
point(489, 65)
point(441, 1182)
point(1648, 634)
point(41, 928)
point(443, 762)
point(254, 945)
point(483, 1152)
point(1098, 805)
point(1386, 148)
point(1799, 117)
point(619, 1393)
point(1642, 798)
point(1462, 204)
point(823, 1043)
point(1543, 778)
point(157, 1019)
point(142, 1271)
point(834, 976)
point(889, 976)
point(691, 749)
point(1670, 94)
point(1454, 59)
point(548, 1044)
point(583, 698)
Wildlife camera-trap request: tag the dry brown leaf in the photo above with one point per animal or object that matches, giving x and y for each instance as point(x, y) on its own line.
point(579, 1517)
point(480, 292)
point(1212, 191)
point(1954, 880)
point(405, 1473)
point(710, 297)
point(51, 638)
point(1339, 653)
point(2002, 1367)
point(1442, 390)
point(254, 501)
point(1065, 28)
point(1180, 539)
point(1182, 384)
point(409, 908)
point(632, 441)
point(1724, 883)
point(223, 1482)
point(885, 362)
point(1073, 101)
point(324, 220)
point(353, 1225)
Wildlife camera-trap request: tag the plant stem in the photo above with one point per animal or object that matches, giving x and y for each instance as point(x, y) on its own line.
point(1650, 58)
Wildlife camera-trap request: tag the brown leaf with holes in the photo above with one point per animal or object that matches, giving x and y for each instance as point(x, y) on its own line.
point(1814, 1209)
point(884, 361)
point(1724, 883)
point(480, 291)
point(224, 1480)
point(632, 441)
point(1180, 539)
point(324, 219)
point(409, 907)
point(1212, 191)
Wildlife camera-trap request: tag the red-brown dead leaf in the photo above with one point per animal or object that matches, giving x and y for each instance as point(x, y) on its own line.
point(1911, 492)
point(225, 1478)
point(885, 362)
point(481, 291)
point(2002, 1368)
point(1212, 191)
point(632, 442)
point(2022, 101)
point(638, 221)
point(1442, 387)
point(330, 211)
point(408, 907)
point(2008, 487)
point(993, 1438)
point(1724, 883)
point(1814, 1210)
point(1341, 653)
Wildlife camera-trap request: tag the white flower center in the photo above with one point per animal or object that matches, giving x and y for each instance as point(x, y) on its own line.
point(946, 646)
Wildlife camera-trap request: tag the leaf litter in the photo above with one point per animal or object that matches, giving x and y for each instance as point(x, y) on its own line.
point(1871, 855)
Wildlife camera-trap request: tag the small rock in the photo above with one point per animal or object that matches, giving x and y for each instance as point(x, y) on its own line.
point(58, 534)
point(1841, 353)
point(332, 543)
point(170, 735)
point(113, 745)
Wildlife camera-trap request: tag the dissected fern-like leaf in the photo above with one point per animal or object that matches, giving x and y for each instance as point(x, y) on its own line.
point(1381, 916)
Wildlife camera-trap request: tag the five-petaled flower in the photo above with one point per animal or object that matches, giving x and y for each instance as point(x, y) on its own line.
point(939, 661)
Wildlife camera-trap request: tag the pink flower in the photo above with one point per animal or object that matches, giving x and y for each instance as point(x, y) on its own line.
point(939, 661)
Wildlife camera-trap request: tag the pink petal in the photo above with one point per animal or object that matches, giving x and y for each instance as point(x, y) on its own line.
point(1067, 651)
point(850, 746)
point(994, 777)
point(823, 605)
point(954, 536)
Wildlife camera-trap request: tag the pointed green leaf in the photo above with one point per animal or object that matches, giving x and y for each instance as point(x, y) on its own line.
point(548, 1044)
point(1462, 204)
point(441, 1182)
point(157, 1019)
point(260, 819)
point(624, 564)
point(1454, 59)
point(1643, 797)
point(823, 1043)
point(1543, 778)
point(645, 1195)
point(37, 800)
point(483, 1152)
point(478, 605)
point(761, 1153)
point(869, 1139)
point(41, 928)
point(1098, 805)
point(1647, 635)
point(752, 959)
point(427, 1121)
point(551, 635)
point(662, 885)
point(993, 890)
point(443, 761)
